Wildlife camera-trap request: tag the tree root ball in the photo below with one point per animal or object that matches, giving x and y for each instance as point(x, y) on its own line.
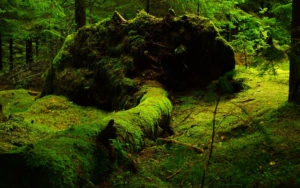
point(105, 64)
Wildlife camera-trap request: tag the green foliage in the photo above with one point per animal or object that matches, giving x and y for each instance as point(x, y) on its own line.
point(118, 146)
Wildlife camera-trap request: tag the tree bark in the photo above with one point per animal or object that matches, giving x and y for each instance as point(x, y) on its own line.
point(29, 53)
point(90, 5)
point(11, 52)
point(80, 16)
point(1, 62)
point(294, 91)
point(148, 6)
point(37, 52)
point(198, 8)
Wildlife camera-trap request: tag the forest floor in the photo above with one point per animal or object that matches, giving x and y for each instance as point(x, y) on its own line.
point(257, 139)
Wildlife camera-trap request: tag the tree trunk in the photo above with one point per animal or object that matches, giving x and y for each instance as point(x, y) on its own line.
point(198, 8)
point(90, 11)
point(29, 53)
point(148, 6)
point(37, 52)
point(80, 17)
point(147, 120)
point(11, 57)
point(51, 48)
point(1, 62)
point(294, 91)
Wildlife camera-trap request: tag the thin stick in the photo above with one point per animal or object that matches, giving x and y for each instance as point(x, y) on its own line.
point(212, 142)
point(193, 147)
point(175, 173)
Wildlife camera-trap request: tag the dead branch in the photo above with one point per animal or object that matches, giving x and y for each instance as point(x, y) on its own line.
point(190, 146)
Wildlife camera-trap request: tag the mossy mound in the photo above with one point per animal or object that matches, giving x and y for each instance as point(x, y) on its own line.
point(55, 143)
point(106, 63)
point(29, 119)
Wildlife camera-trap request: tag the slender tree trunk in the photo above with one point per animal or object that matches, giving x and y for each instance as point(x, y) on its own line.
point(1, 62)
point(80, 16)
point(294, 91)
point(62, 38)
point(245, 57)
point(148, 6)
point(198, 8)
point(228, 36)
point(11, 53)
point(50, 48)
point(37, 52)
point(90, 10)
point(29, 53)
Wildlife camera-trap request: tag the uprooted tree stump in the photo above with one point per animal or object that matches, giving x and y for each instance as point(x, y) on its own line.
point(106, 63)
point(118, 64)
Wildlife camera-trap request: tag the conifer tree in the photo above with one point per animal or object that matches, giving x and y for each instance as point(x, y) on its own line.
point(1, 60)
point(80, 16)
point(148, 6)
point(29, 53)
point(11, 54)
point(294, 91)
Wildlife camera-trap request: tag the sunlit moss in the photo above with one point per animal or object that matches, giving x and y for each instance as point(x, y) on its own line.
point(15, 101)
point(30, 120)
point(142, 121)
point(251, 144)
point(63, 52)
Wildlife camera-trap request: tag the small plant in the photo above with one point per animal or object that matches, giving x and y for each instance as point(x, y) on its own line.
point(121, 179)
point(118, 146)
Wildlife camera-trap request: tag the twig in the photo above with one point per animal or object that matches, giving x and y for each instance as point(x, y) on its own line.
point(175, 173)
point(212, 142)
point(193, 147)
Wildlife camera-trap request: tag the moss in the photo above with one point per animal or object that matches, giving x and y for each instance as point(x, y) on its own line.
point(98, 65)
point(250, 149)
point(63, 53)
point(40, 118)
point(223, 41)
point(14, 101)
point(142, 121)
point(67, 159)
point(63, 149)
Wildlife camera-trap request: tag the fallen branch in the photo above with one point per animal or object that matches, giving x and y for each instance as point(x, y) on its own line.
point(190, 146)
point(175, 173)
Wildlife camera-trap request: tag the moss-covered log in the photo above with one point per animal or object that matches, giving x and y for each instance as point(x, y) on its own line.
point(147, 120)
point(84, 154)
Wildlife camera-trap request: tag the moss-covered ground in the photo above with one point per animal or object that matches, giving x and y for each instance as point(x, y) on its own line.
point(31, 119)
point(257, 139)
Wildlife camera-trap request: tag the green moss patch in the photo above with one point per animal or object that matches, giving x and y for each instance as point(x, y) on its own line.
point(31, 119)
point(256, 139)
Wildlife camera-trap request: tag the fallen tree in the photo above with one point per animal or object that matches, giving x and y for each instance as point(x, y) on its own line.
point(105, 64)
point(120, 65)
point(84, 155)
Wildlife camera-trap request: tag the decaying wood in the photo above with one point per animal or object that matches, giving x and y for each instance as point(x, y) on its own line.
point(189, 146)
